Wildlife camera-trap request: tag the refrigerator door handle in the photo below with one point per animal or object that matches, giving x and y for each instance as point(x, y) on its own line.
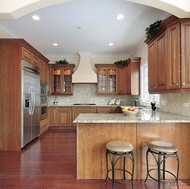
point(33, 100)
point(30, 101)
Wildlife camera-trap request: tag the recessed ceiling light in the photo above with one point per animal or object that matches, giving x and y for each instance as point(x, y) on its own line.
point(55, 44)
point(120, 16)
point(36, 17)
point(110, 44)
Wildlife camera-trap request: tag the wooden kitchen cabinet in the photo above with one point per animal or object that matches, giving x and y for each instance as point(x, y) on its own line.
point(61, 116)
point(106, 109)
point(185, 51)
point(122, 80)
point(129, 77)
point(43, 125)
point(64, 116)
point(33, 59)
point(43, 72)
point(12, 52)
point(157, 66)
point(61, 79)
point(82, 110)
point(54, 116)
point(107, 79)
point(168, 57)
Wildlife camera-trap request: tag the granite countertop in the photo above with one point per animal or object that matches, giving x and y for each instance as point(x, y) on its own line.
point(144, 116)
point(87, 105)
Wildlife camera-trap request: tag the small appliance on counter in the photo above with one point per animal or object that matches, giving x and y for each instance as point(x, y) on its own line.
point(112, 101)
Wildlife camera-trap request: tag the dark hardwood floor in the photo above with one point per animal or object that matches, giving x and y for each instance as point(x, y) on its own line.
point(49, 162)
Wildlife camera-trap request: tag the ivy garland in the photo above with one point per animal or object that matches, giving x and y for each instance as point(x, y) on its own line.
point(62, 62)
point(121, 63)
point(152, 29)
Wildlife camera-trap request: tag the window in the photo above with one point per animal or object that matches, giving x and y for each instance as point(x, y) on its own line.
point(147, 98)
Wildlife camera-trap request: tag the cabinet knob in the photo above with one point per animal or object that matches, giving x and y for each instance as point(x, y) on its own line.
point(183, 83)
point(177, 83)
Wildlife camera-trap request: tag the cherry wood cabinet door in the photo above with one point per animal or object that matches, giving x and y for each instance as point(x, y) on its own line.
point(122, 80)
point(162, 62)
point(152, 67)
point(185, 58)
point(173, 64)
point(107, 79)
point(64, 116)
point(61, 79)
point(82, 110)
point(157, 59)
point(53, 116)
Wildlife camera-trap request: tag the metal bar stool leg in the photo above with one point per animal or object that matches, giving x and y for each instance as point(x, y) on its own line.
point(177, 158)
point(164, 166)
point(133, 165)
point(158, 164)
point(106, 166)
point(124, 161)
point(147, 167)
point(113, 171)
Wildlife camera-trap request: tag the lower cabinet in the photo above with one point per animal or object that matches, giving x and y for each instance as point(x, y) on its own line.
point(60, 116)
point(82, 110)
point(44, 125)
point(65, 115)
point(107, 109)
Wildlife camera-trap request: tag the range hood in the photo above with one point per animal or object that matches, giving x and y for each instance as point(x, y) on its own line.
point(84, 72)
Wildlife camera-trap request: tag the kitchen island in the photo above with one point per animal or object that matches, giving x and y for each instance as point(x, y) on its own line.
point(95, 130)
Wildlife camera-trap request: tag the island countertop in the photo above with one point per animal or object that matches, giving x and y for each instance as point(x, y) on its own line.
point(143, 116)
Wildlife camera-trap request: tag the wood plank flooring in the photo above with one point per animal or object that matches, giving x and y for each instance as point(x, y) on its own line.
point(49, 162)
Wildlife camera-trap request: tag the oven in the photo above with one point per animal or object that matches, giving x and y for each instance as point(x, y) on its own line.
point(43, 101)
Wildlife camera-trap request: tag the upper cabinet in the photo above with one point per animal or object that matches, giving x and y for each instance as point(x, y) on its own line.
point(157, 64)
point(168, 57)
point(30, 57)
point(107, 78)
point(61, 79)
point(129, 77)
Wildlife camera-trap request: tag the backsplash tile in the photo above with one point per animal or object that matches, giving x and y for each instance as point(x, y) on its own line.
point(174, 103)
point(86, 93)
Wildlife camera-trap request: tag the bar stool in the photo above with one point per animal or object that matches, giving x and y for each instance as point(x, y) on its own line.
point(161, 151)
point(115, 151)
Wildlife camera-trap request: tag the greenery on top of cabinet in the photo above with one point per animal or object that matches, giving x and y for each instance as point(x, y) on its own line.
point(152, 29)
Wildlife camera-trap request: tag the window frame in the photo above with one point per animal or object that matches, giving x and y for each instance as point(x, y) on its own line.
point(146, 97)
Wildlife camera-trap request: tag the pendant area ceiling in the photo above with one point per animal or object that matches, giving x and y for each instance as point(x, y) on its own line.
point(84, 26)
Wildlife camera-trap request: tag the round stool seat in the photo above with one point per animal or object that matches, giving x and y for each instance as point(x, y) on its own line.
point(119, 146)
point(161, 146)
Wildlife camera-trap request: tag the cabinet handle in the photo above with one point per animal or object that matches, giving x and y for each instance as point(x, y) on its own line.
point(183, 83)
point(177, 83)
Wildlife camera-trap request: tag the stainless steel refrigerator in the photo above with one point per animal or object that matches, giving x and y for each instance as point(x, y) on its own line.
point(31, 110)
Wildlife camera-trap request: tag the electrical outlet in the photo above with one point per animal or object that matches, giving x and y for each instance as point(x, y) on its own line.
point(163, 102)
point(185, 104)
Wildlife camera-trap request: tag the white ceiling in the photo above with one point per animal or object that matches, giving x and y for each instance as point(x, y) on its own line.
point(99, 27)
